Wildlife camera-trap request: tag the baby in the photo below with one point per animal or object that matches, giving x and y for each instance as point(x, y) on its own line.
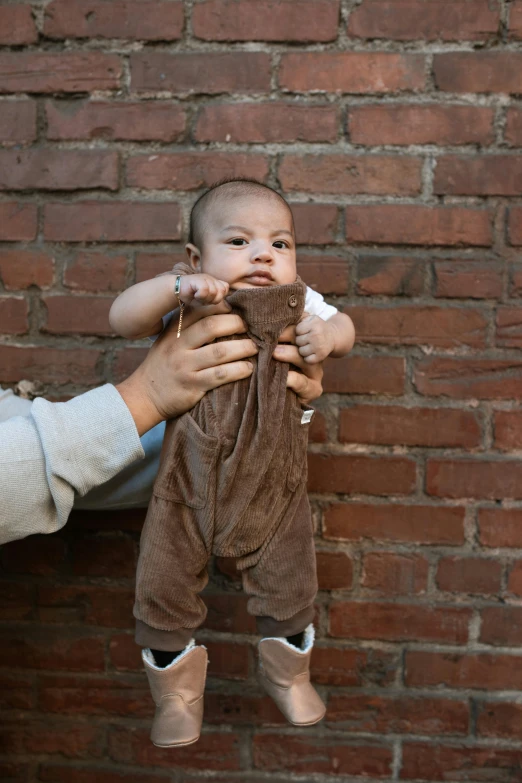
point(232, 479)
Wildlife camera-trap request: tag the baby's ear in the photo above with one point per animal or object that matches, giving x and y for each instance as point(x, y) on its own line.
point(194, 256)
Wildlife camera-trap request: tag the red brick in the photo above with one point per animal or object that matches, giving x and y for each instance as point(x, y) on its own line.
point(241, 709)
point(384, 715)
point(423, 124)
point(109, 519)
point(324, 273)
point(276, 121)
point(361, 474)
point(409, 20)
point(500, 527)
point(337, 666)
point(14, 773)
point(407, 224)
point(318, 432)
point(365, 375)
point(17, 221)
point(435, 762)
point(463, 378)
point(514, 584)
point(474, 479)
point(501, 626)
point(227, 660)
point(351, 174)
point(394, 425)
point(109, 607)
point(390, 276)
point(418, 325)
point(36, 555)
point(50, 365)
point(17, 25)
point(52, 72)
point(499, 719)
point(468, 280)
point(509, 327)
point(16, 602)
point(58, 170)
point(127, 360)
point(494, 175)
point(17, 119)
point(13, 315)
point(508, 430)
point(478, 72)
point(393, 574)
point(334, 571)
point(68, 774)
point(469, 575)
point(113, 557)
point(228, 613)
point(205, 73)
point(514, 126)
point(399, 622)
point(76, 695)
point(419, 524)
point(217, 750)
point(66, 739)
point(124, 653)
point(148, 265)
point(112, 221)
point(90, 271)
point(315, 224)
point(147, 121)
point(351, 72)
point(23, 268)
point(266, 20)
point(142, 21)
point(515, 20)
point(192, 171)
point(77, 314)
point(451, 670)
point(16, 693)
point(515, 225)
point(515, 280)
point(35, 648)
point(325, 755)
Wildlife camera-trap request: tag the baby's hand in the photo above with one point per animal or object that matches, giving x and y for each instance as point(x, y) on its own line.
point(315, 338)
point(204, 288)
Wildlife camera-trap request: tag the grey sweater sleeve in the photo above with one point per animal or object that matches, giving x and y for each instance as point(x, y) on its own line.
point(61, 450)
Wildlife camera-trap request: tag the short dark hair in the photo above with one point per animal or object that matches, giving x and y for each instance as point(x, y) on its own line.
point(238, 186)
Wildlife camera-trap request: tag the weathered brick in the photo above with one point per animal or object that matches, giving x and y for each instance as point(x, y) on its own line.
point(227, 660)
point(488, 480)
point(468, 280)
point(124, 653)
point(423, 124)
point(77, 695)
point(16, 602)
point(365, 375)
point(51, 72)
point(240, 709)
point(409, 20)
point(351, 72)
point(469, 575)
point(14, 311)
point(17, 120)
point(192, 171)
point(36, 555)
point(147, 121)
point(266, 20)
point(514, 126)
point(54, 738)
point(418, 225)
point(108, 607)
point(14, 773)
point(132, 19)
point(508, 430)
point(110, 556)
point(508, 327)
point(515, 20)
point(39, 648)
point(500, 527)
point(390, 276)
point(462, 378)
point(17, 25)
point(420, 524)
point(91, 271)
point(495, 175)
point(478, 72)
point(315, 224)
point(351, 174)
point(127, 360)
point(399, 622)
point(327, 274)
point(417, 325)
point(277, 121)
point(392, 574)
point(360, 474)
point(501, 626)
point(499, 719)
point(96, 774)
point(111, 221)
point(452, 670)
point(334, 570)
point(17, 221)
point(400, 715)
point(16, 692)
point(393, 425)
point(515, 280)
point(514, 584)
point(24, 268)
point(338, 666)
point(149, 265)
point(50, 365)
point(58, 170)
point(228, 613)
point(207, 74)
point(515, 225)
point(77, 314)
point(436, 762)
point(279, 752)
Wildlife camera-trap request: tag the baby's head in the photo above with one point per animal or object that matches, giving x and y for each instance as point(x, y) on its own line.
point(242, 232)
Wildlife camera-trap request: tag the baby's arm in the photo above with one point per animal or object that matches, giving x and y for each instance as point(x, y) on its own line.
point(317, 339)
point(139, 310)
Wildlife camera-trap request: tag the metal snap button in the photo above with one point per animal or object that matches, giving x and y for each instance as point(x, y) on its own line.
point(293, 301)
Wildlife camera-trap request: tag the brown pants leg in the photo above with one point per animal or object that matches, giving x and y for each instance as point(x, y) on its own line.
point(281, 578)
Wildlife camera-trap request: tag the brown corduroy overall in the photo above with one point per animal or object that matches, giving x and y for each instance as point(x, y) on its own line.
point(232, 482)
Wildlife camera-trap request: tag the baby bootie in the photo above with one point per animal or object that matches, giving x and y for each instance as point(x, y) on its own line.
point(284, 673)
point(177, 691)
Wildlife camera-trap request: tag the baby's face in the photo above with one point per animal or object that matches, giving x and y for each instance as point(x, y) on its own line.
point(249, 242)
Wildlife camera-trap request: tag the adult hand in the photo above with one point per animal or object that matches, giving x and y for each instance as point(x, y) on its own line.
point(177, 373)
point(307, 384)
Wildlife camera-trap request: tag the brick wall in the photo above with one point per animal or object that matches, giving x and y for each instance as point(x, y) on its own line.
point(394, 127)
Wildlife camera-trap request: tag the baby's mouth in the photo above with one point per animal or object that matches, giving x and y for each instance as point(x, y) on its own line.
point(260, 277)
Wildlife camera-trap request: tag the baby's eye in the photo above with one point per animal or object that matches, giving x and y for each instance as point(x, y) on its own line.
point(238, 241)
point(279, 243)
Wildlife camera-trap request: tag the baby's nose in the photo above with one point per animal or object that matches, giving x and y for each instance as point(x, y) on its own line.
point(263, 253)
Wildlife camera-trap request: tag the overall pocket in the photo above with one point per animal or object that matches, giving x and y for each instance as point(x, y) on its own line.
point(187, 458)
point(300, 424)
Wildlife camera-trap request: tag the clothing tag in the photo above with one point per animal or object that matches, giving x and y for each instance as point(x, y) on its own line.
point(306, 418)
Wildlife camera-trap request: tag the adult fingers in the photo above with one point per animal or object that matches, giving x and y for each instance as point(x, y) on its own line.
point(213, 377)
point(307, 389)
point(208, 329)
point(221, 353)
point(196, 312)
